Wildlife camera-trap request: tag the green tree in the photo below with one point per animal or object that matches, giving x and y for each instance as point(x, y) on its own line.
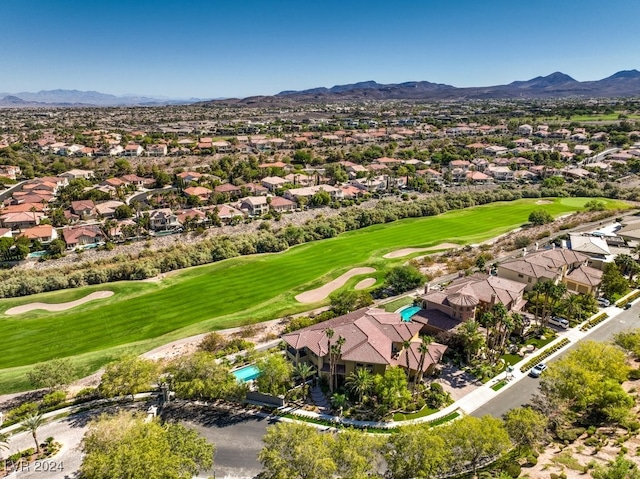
point(472, 440)
point(343, 302)
point(526, 427)
point(304, 371)
point(392, 390)
point(129, 375)
point(275, 374)
point(360, 382)
point(32, 423)
point(404, 278)
point(296, 451)
point(472, 339)
point(629, 340)
point(125, 445)
point(200, 376)
point(57, 247)
point(54, 374)
point(621, 468)
point(339, 401)
point(627, 265)
point(613, 281)
point(123, 211)
point(357, 455)
point(540, 217)
point(417, 451)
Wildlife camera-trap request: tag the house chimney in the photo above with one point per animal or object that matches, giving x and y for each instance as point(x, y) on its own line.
point(427, 288)
point(493, 299)
point(524, 251)
point(537, 246)
point(460, 274)
point(553, 246)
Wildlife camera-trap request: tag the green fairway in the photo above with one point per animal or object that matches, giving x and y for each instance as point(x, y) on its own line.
point(233, 292)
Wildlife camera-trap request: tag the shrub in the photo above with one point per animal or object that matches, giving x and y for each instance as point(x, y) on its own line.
point(513, 469)
point(634, 374)
point(54, 398)
point(22, 410)
point(87, 394)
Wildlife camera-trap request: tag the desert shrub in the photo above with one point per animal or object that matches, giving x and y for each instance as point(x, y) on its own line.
point(54, 398)
point(513, 469)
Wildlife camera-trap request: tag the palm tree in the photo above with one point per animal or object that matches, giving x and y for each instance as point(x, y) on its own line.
point(329, 334)
point(423, 349)
point(627, 265)
point(335, 354)
point(360, 382)
point(471, 338)
point(339, 401)
point(32, 423)
point(304, 371)
point(406, 346)
point(572, 307)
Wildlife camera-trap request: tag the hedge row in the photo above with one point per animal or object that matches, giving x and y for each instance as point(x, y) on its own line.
point(623, 302)
point(594, 321)
point(544, 355)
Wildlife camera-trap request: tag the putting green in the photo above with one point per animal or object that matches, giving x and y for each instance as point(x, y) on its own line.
point(236, 291)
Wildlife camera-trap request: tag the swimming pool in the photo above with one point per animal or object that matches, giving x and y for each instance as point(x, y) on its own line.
point(246, 373)
point(407, 313)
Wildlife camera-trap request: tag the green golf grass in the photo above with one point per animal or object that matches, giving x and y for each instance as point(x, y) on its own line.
point(245, 290)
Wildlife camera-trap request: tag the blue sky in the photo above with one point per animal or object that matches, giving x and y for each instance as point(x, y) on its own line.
point(211, 48)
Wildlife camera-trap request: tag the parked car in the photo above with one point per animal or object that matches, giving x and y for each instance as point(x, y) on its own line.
point(560, 322)
point(628, 306)
point(604, 302)
point(537, 370)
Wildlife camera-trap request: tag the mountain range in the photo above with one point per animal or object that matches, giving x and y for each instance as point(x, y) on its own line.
point(82, 98)
point(557, 85)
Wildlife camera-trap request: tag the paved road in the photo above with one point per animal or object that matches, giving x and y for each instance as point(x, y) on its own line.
point(521, 393)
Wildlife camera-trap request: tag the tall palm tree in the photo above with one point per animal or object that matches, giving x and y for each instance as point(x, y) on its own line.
point(335, 353)
point(572, 307)
point(360, 382)
point(304, 371)
point(406, 346)
point(423, 349)
point(329, 334)
point(32, 423)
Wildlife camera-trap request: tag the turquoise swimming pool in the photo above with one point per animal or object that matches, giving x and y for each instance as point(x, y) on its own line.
point(407, 313)
point(246, 373)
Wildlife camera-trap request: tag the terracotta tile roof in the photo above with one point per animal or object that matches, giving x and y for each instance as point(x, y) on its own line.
point(586, 275)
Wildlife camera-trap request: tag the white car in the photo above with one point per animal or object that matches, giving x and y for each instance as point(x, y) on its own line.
point(604, 302)
point(537, 370)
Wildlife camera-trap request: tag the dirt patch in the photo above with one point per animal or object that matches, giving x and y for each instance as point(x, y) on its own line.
point(365, 283)
point(407, 251)
point(544, 202)
point(25, 308)
point(318, 294)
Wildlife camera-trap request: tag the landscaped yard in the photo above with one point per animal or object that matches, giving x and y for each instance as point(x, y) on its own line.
point(245, 290)
point(397, 304)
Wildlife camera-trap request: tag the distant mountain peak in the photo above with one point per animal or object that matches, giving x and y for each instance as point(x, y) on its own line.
point(624, 75)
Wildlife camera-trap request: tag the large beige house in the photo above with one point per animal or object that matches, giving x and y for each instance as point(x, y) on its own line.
point(373, 339)
point(557, 265)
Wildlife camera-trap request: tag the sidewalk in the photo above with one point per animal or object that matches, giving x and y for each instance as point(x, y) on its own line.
point(483, 394)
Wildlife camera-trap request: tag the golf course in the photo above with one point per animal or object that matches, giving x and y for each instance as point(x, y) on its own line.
point(142, 315)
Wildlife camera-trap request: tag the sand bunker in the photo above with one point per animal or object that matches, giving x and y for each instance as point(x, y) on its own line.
point(318, 294)
point(25, 308)
point(407, 251)
point(544, 202)
point(365, 283)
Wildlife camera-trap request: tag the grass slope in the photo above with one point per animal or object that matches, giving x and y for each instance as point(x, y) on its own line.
point(233, 292)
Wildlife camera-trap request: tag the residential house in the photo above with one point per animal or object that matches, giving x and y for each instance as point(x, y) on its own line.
point(228, 189)
point(371, 338)
point(500, 173)
point(107, 209)
point(282, 205)
point(200, 192)
point(163, 219)
point(255, 205)
point(138, 181)
point(272, 183)
point(133, 149)
point(157, 150)
point(464, 297)
point(43, 233)
point(554, 265)
point(256, 189)
point(79, 236)
point(525, 129)
point(228, 213)
point(78, 174)
point(189, 176)
point(495, 150)
point(294, 193)
point(21, 220)
point(85, 209)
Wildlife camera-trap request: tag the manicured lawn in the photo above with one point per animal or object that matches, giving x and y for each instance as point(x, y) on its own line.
point(541, 343)
point(425, 411)
point(397, 304)
point(511, 359)
point(233, 292)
